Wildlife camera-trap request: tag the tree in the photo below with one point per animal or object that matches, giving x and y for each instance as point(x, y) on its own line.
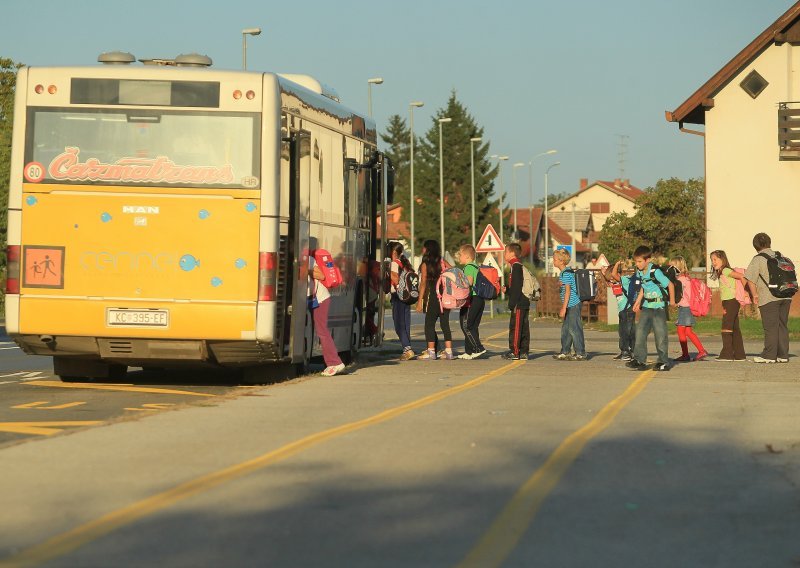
point(669, 218)
point(8, 81)
point(457, 179)
point(397, 140)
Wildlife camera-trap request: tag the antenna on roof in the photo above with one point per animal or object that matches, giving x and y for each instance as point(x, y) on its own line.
point(623, 149)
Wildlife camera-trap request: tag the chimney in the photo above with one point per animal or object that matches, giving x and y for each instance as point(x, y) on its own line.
point(584, 183)
point(626, 182)
point(617, 182)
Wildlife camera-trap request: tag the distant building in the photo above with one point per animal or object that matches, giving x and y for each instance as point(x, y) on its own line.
point(751, 142)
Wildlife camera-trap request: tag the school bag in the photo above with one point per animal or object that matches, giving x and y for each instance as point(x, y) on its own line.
point(531, 288)
point(332, 277)
point(651, 277)
point(632, 292)
point(407, 286)
point(585, 284)
point(700, 297)
point(487, 283)
point(741, 293)
point(782, 275)
point(672, 273)
point(452, 289)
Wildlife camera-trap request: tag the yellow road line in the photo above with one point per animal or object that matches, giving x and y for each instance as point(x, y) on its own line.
point(126, 388)
point(39, 405)
point(67, 542)
point(42, 428)
point(505, 532)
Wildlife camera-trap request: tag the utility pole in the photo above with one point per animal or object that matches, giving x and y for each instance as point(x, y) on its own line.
point(623, 150)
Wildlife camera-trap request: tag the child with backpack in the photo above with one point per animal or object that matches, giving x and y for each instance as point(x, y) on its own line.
point(732, 342)
point(625, 290)
point(319, 301)
point(572, 326)
point(401, 311)
point(472, 312)
point(686, 319)
point(432, 267)
point(519, 333)
point(651, 306)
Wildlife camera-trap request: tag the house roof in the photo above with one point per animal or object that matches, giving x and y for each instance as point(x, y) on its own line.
point(564, 219)
point(784, 29)
point(620, 187)
point(558, 234)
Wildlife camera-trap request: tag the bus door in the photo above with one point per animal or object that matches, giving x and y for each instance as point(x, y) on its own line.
point(378, 190)
point(301, 322)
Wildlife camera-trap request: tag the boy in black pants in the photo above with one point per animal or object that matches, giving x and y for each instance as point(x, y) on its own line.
point(519, 333)
point(472, 312)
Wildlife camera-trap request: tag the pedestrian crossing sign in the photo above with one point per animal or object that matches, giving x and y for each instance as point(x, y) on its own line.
point(489, 241)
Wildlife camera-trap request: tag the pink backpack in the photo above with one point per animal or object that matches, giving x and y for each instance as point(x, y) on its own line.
point(333, 276)
point(741, 294)
point(699, 297)
point(452, 289)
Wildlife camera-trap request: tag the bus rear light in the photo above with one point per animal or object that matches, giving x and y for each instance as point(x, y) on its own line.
point(39, 89)
point(237, 94)
point(267, 276)
point(52, 89)
point(250, 95)
point(12, 269)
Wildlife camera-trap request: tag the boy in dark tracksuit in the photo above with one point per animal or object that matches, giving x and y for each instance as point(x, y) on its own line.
point(519, 333)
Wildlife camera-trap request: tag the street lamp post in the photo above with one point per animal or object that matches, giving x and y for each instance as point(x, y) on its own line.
point(370, 82)
point(472, 141)
point(514, 175)
point(411, 107)
point(532, 238)
point(441, 187)
point(246, 32)
point(546, 228)
point(500, 160)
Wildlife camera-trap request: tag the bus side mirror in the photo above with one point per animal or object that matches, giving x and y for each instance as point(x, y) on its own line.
point(389, 182)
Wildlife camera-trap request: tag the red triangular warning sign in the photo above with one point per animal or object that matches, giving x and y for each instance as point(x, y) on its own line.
point(489, 241)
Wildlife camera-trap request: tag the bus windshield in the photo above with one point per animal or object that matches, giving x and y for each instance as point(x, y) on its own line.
point(143, 148)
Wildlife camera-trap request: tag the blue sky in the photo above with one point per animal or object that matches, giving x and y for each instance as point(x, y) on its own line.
point(569, 75)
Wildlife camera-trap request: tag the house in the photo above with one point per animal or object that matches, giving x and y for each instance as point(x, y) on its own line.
point(396, 228)
point(751, 135)
point(598, 200)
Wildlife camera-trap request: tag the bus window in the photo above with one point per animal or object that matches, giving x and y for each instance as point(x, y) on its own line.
point(113, 146)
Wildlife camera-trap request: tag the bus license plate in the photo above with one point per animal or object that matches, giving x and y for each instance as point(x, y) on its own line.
point(117, 317)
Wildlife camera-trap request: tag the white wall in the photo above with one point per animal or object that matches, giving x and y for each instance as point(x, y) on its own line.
point(598, 194)
point(748, 189)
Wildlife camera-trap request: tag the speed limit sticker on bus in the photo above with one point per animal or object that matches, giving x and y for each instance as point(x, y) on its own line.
point(34, 172)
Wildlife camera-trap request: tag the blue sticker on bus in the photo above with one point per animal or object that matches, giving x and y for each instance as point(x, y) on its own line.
point(105, 217)
point(240, 263)
point(188, 262)
point(204, 214)
point(216, 282)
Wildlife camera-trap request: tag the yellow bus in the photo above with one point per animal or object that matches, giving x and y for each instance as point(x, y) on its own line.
point(162, 214)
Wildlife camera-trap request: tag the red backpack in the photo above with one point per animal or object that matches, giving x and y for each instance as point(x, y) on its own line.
point(332, 275)
point(699, 298)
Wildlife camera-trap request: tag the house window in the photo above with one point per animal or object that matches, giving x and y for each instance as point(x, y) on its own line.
point(600, 207)
point(753, 84)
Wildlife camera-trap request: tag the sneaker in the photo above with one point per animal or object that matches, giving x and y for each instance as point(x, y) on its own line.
point(510, 356)
point(407, 355)
point(479, 354)
point(427, 355)
point(636, 365)
point(782, 360)
point(762, 360)
point(619, 356)
point(561, 357)
point(700, 356)
point(465, 356)
point(683, 359)
point(333, 370)
point(627, 357)
point(723, 360)
point(447, 355)
point(662, 367)
point(577, 358)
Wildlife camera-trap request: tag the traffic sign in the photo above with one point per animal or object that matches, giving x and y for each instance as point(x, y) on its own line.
point(489, 241)
point(602, 261)
point(490, 261)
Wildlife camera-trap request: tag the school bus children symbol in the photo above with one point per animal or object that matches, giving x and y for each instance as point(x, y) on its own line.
point(43, 266)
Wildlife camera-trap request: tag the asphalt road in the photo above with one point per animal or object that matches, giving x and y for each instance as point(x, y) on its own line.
point(440, 463)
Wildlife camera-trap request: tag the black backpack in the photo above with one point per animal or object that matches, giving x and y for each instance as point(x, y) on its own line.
point(672, 273)
point(408, 286)
point(782, 275)
point(585, 284)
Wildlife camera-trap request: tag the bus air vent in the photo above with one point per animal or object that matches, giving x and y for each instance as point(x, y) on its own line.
point(116, 58)
point(120, 347)
point(193, 60)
